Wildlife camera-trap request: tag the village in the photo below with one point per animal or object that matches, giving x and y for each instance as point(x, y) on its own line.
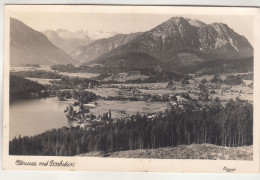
point(198, 91)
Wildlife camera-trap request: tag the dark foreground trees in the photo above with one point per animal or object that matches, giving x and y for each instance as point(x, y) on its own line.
point(229, 125)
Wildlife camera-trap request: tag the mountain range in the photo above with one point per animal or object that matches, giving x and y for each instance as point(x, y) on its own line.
point(28, 46)
point(177, 41)
point(178, 35)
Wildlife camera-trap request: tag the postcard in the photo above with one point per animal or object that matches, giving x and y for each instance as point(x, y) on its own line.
point(131, 88)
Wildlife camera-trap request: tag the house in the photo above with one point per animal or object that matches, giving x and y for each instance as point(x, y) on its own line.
point(151, 117)
point(85, 126)
point(180, 99)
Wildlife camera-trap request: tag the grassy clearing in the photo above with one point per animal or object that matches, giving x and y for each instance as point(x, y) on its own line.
point(42, 81)
point(125, 77)
point(81, 75)
point(193, 151)
point(23, 68)
point(159, 85)
point(105, 92)
point(124, 108)
point(247, 93)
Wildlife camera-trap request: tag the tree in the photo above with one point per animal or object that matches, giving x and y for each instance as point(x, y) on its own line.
point(204, 81)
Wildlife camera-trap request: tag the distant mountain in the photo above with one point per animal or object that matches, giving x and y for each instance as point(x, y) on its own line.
point(177, 35)
point(87, 53)
point(70, 41)
point(66, 40)
point(28, 46)
point(99, 34)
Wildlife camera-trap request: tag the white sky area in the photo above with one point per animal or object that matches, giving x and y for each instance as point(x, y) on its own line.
point(125, 23)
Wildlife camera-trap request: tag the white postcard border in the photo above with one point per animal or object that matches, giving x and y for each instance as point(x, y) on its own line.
point(135, 165)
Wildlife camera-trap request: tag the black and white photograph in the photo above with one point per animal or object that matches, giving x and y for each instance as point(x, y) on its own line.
point(174, 85)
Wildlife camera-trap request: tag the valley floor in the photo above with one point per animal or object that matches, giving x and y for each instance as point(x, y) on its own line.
point(193, 151)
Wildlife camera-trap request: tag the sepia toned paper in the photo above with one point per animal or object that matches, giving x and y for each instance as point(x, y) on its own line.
point(245, 21)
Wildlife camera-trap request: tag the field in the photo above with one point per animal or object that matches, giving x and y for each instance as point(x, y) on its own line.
point(243, 91)
point(104, 92)
point(193, 151)
point(24, 68)
point(159, 85)
point(234, 92)
point(126, 77)
point(125, 108)
point(81, 75)
point(42, 81)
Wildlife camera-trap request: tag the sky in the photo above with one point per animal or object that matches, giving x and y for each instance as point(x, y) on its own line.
point(124, 23)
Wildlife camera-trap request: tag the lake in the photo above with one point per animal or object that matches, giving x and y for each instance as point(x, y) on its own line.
point(29, 117)
point(34, 116)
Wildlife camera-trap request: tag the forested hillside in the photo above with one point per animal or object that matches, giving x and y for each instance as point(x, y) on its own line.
point(23, 88)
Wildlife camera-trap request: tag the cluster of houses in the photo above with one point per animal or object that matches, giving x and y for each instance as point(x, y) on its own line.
point(129, 92)
point(85, 120)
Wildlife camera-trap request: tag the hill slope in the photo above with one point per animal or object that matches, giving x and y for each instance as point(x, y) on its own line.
point(129, 60)
point(28, 46)
point(193, 151)
point(87, 53)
